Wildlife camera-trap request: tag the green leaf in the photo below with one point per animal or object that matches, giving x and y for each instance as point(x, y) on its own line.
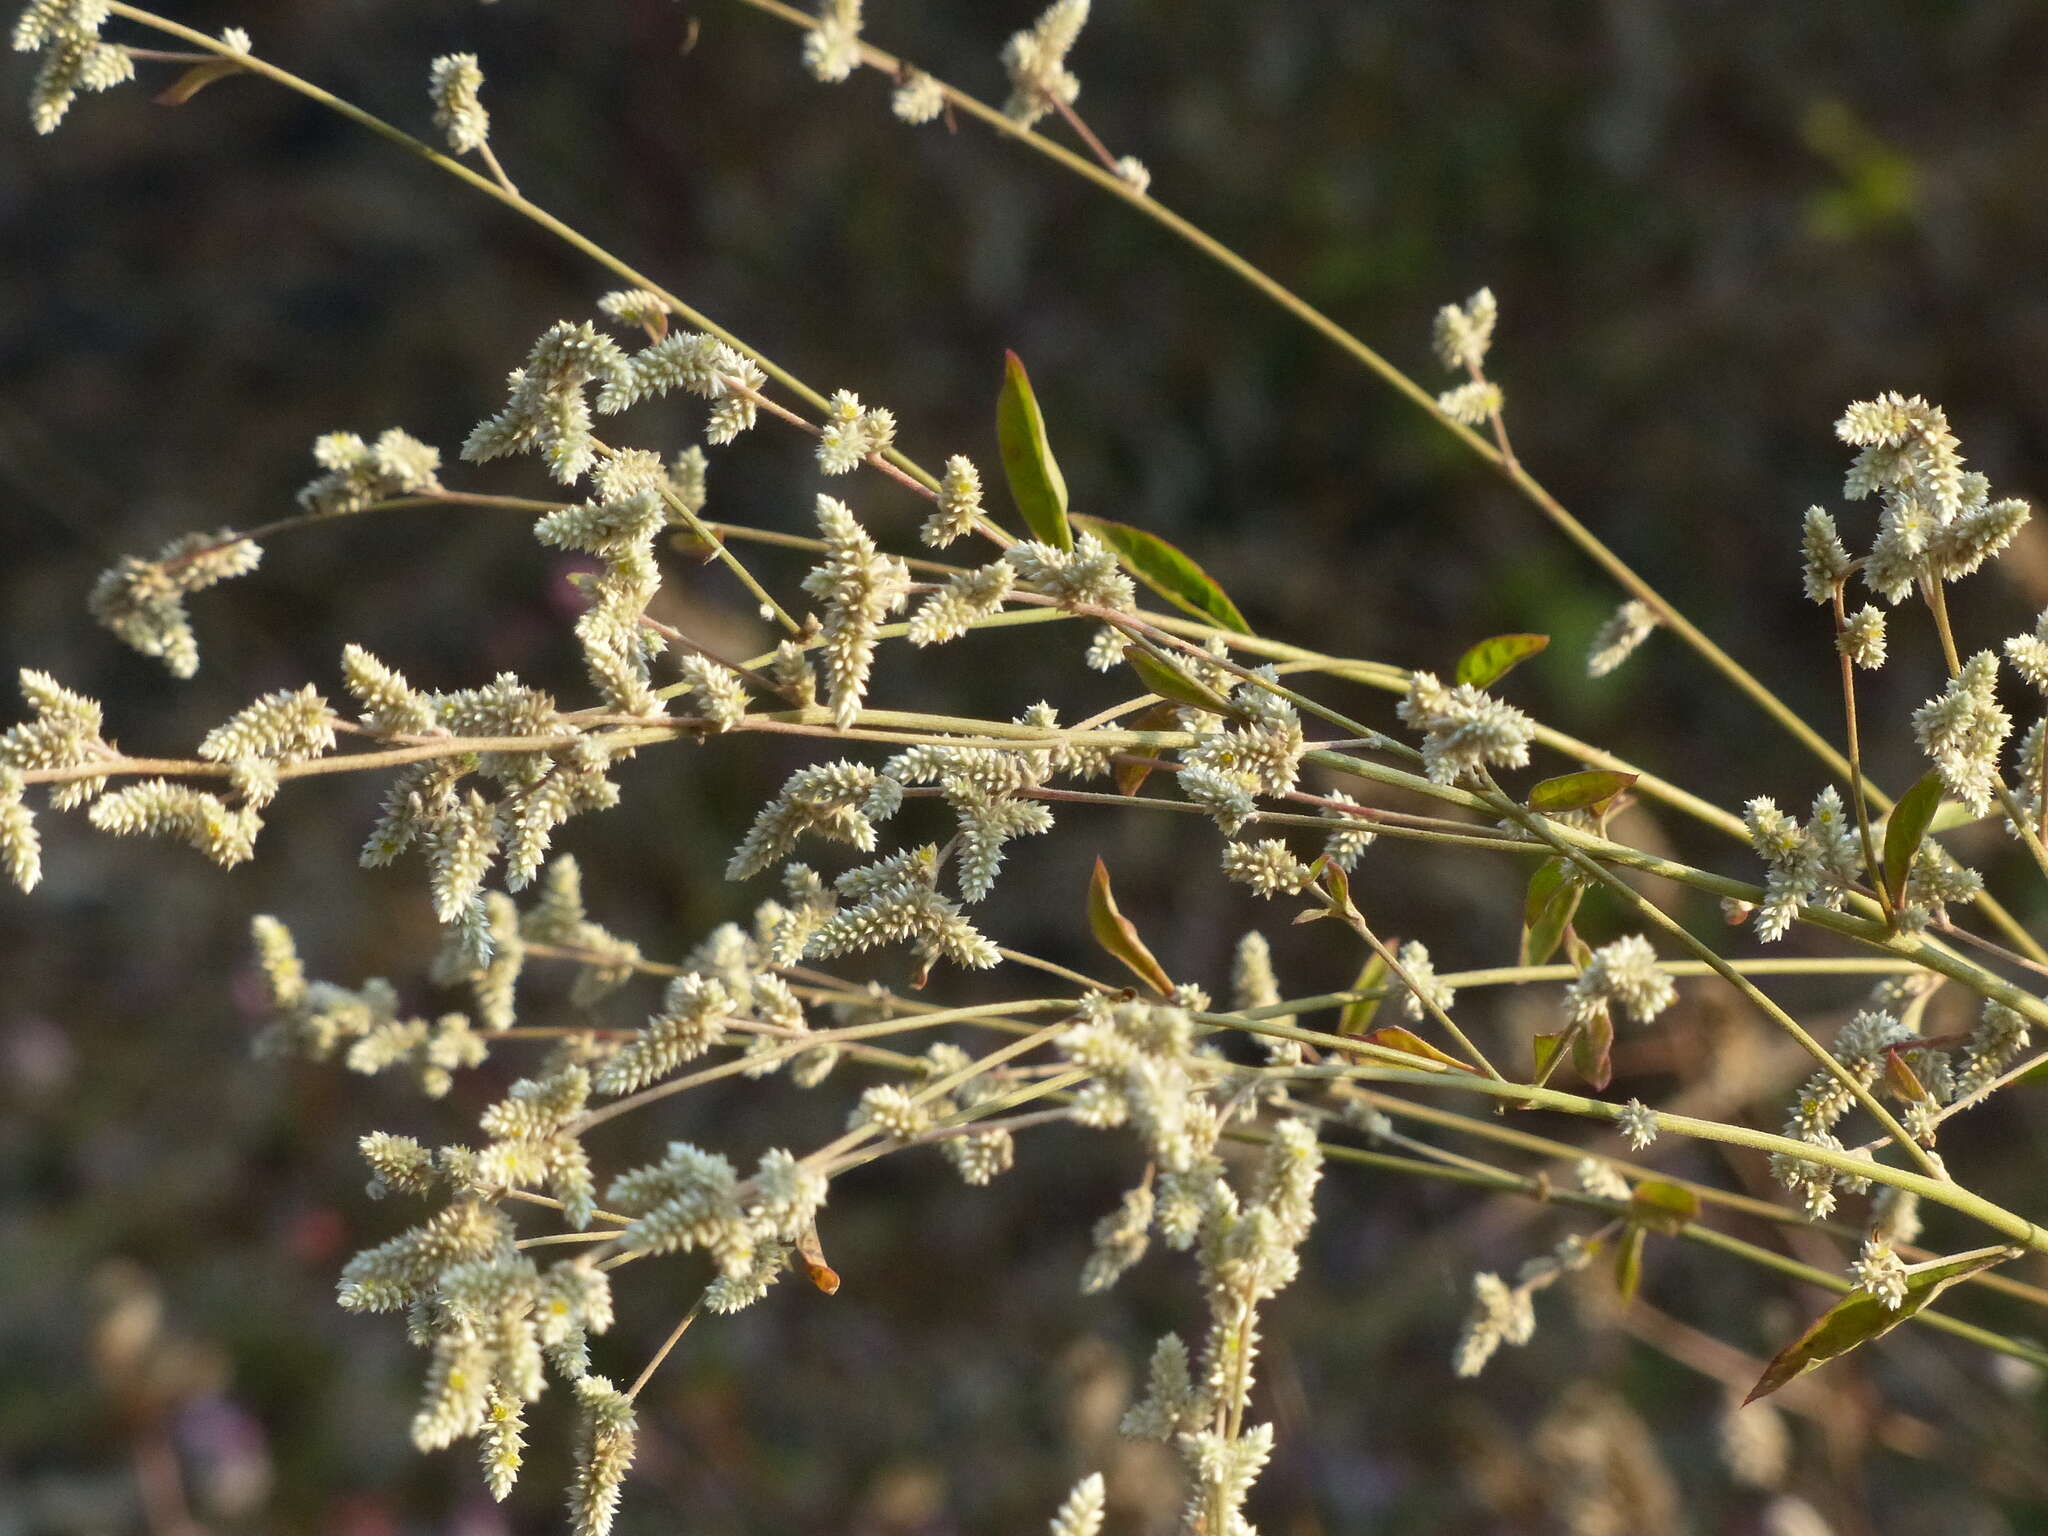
point(1167, 571)
point(1904, 830)
point(1116, 933)
point(1578, 791)
point(1356, 1018)
point(1545, 881)
point(1491, 660)
point(1628, 1263)
point(1170, 682)
point(1036, 484)
point(1549, 906)
point(1662, 1206)
point(1332, 874)
point(1406, 1041)
point(1593, 1052)
point(1858, 1318)
point(1547, 1047)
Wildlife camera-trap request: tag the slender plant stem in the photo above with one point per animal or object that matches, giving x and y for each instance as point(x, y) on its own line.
point(1499, 457)
point(674, 1338)
point(1856, 798)
point(1650, 912)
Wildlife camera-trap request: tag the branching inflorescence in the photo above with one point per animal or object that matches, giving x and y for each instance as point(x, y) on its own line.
point(1230, 1143)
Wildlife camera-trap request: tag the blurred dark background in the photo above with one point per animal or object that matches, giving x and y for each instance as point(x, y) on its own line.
point(1709, 226)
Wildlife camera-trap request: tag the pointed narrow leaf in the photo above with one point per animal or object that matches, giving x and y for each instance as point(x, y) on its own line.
point(1544, 883)
point(1593, 1052)
point(1547, 1047)
point(1356, 1018)
point(1166, 571)
point(1549, 905)
point(1395, 1038)
point(1491, 660)
point(1131, 777)
point(1578, 791)
point(1174, 684)
point(195, 80)
point(1115, 933)
point(1901, 1079)
point(1628, 1263)
point(1662, 1206)
point(1858, 1318)
point(1904, 830)
point(1036, 484)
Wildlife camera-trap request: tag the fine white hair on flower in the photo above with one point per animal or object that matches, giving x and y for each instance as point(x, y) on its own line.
point(1036, 59)
point(67, 34)
point(1937, 521)
point(1962, 731)
point(1464, 332)
point(1810, 866)
point(1880, 1273)
point(918, 99)
point(453, 81)
point(1473, 403)
point(1638, 1123)
point(1624, 973)
point(1616, 640)
point(832, 46)
point(1464, 728)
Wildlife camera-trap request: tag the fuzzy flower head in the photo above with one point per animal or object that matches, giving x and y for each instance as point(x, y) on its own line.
point(1826, 563)
point(1036, 59)
point(918, 98)
point(959, 504)
point(1963, 730)
point(1501, 1314)
point(547, 411)
point(1424, 986)
point(832, 46)
point(1937, 521)
point(1463, 333)
point(453, 81)
point(67, 34)
point(1862, 638)
point(1628, 627)
point(143, 601)
point(359, 474)
point(852, 432)
point(1473, 403)
point(1625, 974)
point(2029, 654)
point(1638, 1123)
point(859, 588)
point(1464, 728)
point(1809, 866)
point(1881, 1273)
point(1087, 573)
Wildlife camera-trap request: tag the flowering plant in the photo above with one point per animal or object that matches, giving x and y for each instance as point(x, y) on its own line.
point(1232, 1111)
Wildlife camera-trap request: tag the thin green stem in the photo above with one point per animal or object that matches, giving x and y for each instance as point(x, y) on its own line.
point(1426, 996)
point(1856, 798)
point(1509, 468)
point(1651, 913)
point(675, 1337)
